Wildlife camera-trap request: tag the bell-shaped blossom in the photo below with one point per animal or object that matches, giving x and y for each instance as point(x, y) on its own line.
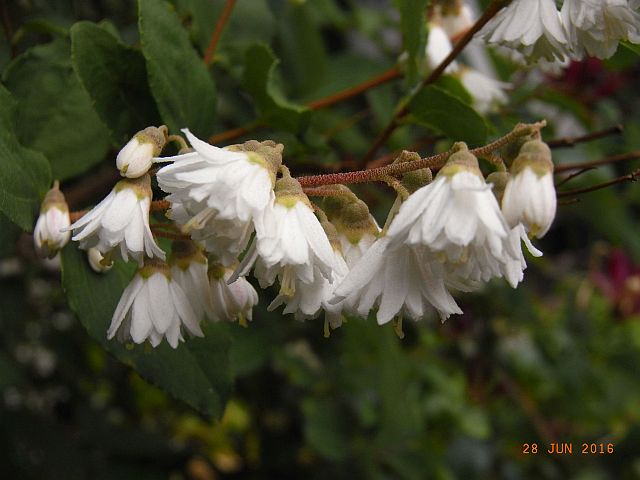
point(530, 195)
point(136, 157)
point(50, 234)
point(487, 93)
point(595, 27)
point(230, 301)
point(189, 270)
point(457, 221)
point(291, 243)
point(119, 224)
point(236, 185)
point(396, 279)
point(533, 27)
point(308, 299)
point(438, 48)
point(153, 307)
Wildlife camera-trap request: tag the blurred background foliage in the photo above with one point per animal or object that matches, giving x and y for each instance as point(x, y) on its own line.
point(556, 360)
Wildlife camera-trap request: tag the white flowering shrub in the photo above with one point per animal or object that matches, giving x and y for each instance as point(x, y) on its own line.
point(228, 163)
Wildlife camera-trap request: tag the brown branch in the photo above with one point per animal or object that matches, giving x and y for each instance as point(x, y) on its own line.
point(572, 141)
point(376, 174)
point(217, 32)
point(630, 177)
point(348, 93)
point(231, 134)
point(573, 175)
point(605, 161)
point(318, 104)
point(494, 7)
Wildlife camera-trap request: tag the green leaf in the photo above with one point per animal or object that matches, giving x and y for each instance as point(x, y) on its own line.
point(259, 77)
point(25, 175)
point(325, 428)
point(180, 82)
point(445, 113)
point(115, 76)
point(67, 130)
point(631, 46)
point(196, 372)
point(301, 45)
point(412, 26)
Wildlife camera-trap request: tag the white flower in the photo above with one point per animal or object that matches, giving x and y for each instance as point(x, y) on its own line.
point(457, 221)
point(530, 195)
point(97, 262)
point(120, 223)
point(487, 92)
point(456, 20)
point(354, 248)
point(153, 307)
point(230, 301)
point(225, 239)
point(135, 158)
point(292, 244)
point(50, 234)
point(438, 48)
point(234, 185)
point(531, 26)
point(189, 270)
point(308, 299)
point(398, 280)
point(596, 26)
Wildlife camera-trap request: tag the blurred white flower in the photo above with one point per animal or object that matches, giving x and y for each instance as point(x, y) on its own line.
point(438, 48)
point(119, 224)
point(533, 27)
point(50, 234)
point(153, 307)
point(595, 27)
point(487, 93)
point(456, 20)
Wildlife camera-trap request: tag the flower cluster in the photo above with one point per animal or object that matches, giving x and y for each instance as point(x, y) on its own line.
point(532, 31)
point(237, 210)
point(538, 30)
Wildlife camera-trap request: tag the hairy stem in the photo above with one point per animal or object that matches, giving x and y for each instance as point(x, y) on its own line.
point(434, 161)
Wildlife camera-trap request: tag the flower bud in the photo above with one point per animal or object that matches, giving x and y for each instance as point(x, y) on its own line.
point(530, 195)
point(461, 160)
point(48, 236)
point(136, 157)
